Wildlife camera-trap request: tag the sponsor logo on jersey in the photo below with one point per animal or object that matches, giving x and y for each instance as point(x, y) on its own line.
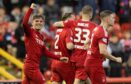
point(40, 42)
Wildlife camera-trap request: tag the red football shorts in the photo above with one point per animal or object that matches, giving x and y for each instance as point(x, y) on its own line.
point(80, 73)
point(33, 77)
point(62, 71)
point(78, 63)
point(96, 74)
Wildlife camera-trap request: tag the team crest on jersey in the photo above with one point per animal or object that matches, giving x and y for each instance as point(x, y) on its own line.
point(104, 40)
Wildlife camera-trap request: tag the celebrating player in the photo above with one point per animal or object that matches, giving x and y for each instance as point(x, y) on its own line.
point(63, 46)
point(82, 30)
point(35, 48)
point(97, 51)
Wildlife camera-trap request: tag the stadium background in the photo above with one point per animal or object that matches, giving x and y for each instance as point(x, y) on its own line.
point(12, 50)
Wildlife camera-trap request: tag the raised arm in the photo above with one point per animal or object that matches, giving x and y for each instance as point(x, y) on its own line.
point(26, 19)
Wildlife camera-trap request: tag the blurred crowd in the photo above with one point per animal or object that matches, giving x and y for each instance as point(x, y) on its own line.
point(12, 36)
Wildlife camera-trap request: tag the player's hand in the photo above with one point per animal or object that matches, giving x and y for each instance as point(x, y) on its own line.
point(33, 6)
point(119, 59)
point(86, 44)
point(64, 59)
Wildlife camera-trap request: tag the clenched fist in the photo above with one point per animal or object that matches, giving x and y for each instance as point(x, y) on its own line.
point(119, 59)
point(33, 6)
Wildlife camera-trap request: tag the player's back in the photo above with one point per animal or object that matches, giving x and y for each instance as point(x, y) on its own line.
point(60, 70)
point(81, 34)
point(99, 35)
point(61, 38)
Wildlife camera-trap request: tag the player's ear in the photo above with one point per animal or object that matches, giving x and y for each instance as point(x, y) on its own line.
point(90, 15)
point(105, 19)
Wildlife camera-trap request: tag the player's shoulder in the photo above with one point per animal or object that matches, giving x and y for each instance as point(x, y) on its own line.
point(70, 22)
point(93, 23)
point(98, 30)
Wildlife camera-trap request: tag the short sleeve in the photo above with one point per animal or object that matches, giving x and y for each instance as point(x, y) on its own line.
point(102, 36)
point(103, 40)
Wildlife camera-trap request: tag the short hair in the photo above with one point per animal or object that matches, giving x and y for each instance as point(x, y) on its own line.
point(87, 9)
point(38, 16)
point(66, 15)
point(105, 13)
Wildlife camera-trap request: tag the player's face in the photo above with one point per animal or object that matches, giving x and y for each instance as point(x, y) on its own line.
point(38, 23)
point(111, 20)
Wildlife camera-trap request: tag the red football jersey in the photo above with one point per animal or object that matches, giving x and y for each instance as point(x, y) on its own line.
point(34, 44)
point(82, 31)
point(70, 24)
point(62, 71)
point(62, 37)
point(94, 57)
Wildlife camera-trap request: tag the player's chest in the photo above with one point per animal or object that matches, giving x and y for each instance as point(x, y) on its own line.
point(38, 39)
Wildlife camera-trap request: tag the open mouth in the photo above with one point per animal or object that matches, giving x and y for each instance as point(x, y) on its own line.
point(38, 26)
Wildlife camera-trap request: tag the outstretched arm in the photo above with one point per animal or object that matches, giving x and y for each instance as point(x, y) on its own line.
point(59, 24)
point(26, 19)
point(65, 24)
point(51, 55)
point(105, 53)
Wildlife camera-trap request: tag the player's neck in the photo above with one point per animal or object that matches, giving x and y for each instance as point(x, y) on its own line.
point(85, 18)
point(104, 25)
